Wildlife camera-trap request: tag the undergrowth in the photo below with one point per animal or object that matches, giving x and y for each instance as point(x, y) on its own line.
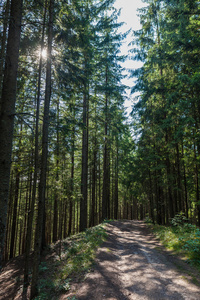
point(181, 237)
point(75, 260)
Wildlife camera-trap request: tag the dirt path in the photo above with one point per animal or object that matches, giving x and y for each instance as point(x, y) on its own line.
point(132, 265)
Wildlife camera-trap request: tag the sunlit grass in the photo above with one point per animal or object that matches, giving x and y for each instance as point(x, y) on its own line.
point(75, 260)
point(184, 240)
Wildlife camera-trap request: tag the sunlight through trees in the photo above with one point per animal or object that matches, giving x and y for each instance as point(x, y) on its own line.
point(69, 157)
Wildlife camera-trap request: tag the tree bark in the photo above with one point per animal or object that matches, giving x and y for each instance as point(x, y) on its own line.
point(93, 179)
point(116, 196)
point(84, 175)
point(179, 180)
point(106, 192)
point(151, 198)
point(55, 218)
point(185, 185)
point(14, 216)
point(42, 183)
point(8, 100)
point(196, 171)
point(71, 204)
point(36, 162)
point(3, 43)
point(169, 181)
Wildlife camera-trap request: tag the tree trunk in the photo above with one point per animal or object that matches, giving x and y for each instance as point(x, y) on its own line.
point(158, 192)
point(197, 185)
point(99, 189)
point(42, 183)
point(185, 185)
point(92, 217)
point(55, 218)
point(84, 175)
point(14, 218)
point(8, 100)
point(179, 180)
point(151, 198)
point(36, 163)
point(116, 200)
point(3, 43)
point(9, 218)
point(27, 205)
point(106, 192)
point(168, 168)
point(71, 182)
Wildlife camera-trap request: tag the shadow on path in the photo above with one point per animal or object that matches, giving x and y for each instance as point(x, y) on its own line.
point(129, 266)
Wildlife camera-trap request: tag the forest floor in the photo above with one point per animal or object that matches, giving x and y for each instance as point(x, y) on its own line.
point(130, 264)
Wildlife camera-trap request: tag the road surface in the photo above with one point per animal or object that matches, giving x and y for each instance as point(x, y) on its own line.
point(132, 265)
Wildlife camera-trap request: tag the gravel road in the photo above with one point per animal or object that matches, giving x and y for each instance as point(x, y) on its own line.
point(132, 265)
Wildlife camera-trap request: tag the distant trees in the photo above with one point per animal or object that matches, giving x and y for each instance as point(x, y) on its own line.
point(167, 108)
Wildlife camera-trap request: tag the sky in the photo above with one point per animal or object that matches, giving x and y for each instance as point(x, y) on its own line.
point(129, 16)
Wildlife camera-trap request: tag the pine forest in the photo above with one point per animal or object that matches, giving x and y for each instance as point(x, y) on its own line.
point(70, 156)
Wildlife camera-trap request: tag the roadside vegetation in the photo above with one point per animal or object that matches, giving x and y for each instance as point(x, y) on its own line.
point(70, 260)
point(181, 237)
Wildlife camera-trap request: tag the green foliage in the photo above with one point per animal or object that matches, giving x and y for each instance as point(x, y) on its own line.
point(43, 267)
point(166, 113)
point(63, 286)
point(179, 220)
point(42, 296)
point(45, 288)
point(77, 259)
point(80, 254)
point(183, 239)
point(192, 246)
point(148, 220)
point(168, 237)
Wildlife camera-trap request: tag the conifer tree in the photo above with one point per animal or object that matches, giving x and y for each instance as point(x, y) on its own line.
point(7, 114)
point(43, 173)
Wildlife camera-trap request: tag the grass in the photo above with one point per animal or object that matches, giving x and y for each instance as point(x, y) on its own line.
point(183, 239)
point(74, 261)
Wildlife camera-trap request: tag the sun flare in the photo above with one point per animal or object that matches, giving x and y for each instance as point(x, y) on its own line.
point(44, 53)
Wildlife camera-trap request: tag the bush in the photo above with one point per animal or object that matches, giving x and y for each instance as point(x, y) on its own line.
point(179, 220)
point(192, 245)
point(148, 220)
point(189, 228)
